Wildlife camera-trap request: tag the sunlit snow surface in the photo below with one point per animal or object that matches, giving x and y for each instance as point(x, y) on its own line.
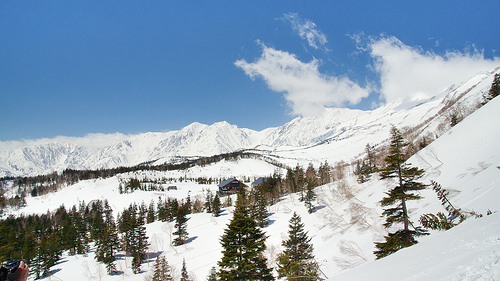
point(465, 160)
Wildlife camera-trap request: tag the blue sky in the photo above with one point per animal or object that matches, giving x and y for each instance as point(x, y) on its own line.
point(77, 67)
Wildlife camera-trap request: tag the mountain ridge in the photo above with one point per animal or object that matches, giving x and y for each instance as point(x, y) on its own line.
point(335, 125)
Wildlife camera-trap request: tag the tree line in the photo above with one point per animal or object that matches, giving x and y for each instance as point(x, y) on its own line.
point(43, 184)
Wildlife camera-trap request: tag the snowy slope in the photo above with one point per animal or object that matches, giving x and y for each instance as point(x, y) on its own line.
point(344, 132)
point(470, 251)
point(465, 160)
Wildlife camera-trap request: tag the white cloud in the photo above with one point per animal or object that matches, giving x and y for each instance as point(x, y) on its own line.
point(409, 72)
point(307, 91)
point(307, 30)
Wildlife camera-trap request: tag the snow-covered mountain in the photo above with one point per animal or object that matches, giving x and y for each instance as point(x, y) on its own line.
point(344, 131)
point(465, 160)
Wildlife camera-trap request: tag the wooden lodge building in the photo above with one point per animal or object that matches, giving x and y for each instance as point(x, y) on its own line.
point(229, 186)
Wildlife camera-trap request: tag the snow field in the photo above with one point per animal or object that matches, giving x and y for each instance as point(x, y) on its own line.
point(344, 226)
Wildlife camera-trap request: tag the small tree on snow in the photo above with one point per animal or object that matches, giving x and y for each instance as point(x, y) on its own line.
point(181, 227)
point(297, 262)
point(184, 273)
point(396, 198)
point(309, 197)
point(162, 271)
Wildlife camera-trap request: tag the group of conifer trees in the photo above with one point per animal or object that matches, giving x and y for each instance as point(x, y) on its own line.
point(39, 240)
point(243, 245)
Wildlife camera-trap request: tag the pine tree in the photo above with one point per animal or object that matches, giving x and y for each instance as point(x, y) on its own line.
point(184, 273)
point(297, 262)
point(162, 210)
point(172, 208)
point(244, 243)
point(134, 241)
point(188, 206)
point(181, 226)
point(209, 201)
point(371, 157)
point(397, 197)
point(151, 216)
point(494, 90)
point(325, 175)
point(96, 218)
point(140, 245)
point(108, 243)
point(213, 274)
point(309, 197)
point(440, 221)
point(259, 207)
point(48, 249)
point(299, 180)
point(82, 235)
point(216, 206)
point(162, 271)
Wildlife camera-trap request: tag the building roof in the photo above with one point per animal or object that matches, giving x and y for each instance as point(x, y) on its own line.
point(224, 183)
point(259, 181)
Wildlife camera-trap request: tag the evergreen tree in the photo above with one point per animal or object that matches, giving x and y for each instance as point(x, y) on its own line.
point(82, 235)
point(188, 206)
point(181, 227)
point(151, 216)
point(259, 207)
point(209, 201)
point(299, 180)
point(172, 208)
point(162, 271)
point(244, 243)
point(134, 241)
point(397, 197)
point(213, 274)
point(184, 273)
point(495, 88)
point(162, 210)
point(140, 245)
point(216, 206)
point(96, 219)
point(47, 250)
point(108, 244)
point(297, 262)
point(440, 221)
point(309, 197)
point(362, 171)
point(325, 174)
point(143, 213)
point(371, 157)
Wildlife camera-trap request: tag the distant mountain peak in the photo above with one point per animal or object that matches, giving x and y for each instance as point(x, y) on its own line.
point(345, 131)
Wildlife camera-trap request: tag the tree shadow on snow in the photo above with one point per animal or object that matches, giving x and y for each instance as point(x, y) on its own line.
point(52, 272)
point(269, 222)
point(117, 272)
point(191, 239)
point(317, 208)
point(61, 261)
point(152, 256)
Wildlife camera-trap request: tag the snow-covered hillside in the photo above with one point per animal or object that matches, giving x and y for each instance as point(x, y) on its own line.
point(465, 161)
point(343, 132)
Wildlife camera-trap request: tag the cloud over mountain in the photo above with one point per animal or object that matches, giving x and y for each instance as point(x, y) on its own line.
point(410, 72)
point(307, 90)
